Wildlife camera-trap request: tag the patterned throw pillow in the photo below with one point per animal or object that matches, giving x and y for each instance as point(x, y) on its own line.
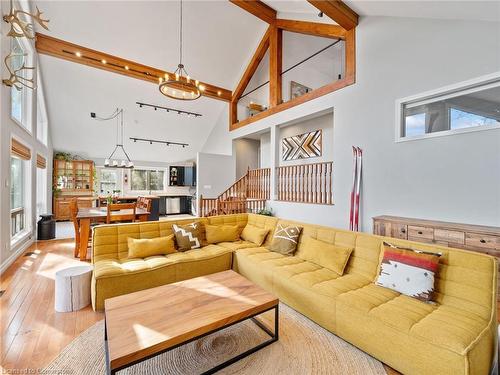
point(187, 236)
point(408, 271)
point(285, 239)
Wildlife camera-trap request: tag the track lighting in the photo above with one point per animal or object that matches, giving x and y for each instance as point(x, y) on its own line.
point(179, 111)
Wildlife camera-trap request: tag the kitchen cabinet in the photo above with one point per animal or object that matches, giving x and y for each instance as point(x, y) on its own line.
point(182, 176)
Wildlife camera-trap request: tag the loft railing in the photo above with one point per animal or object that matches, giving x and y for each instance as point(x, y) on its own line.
point(305, 183)
point(17, 220)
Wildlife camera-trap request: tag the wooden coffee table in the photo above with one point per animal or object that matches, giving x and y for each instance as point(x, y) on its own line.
point(143, 324)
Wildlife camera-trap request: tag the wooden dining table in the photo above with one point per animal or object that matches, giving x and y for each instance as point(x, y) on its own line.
point(85, 216)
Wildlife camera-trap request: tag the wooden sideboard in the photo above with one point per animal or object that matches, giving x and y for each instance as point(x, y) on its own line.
point(61, 205)
point(478, 238)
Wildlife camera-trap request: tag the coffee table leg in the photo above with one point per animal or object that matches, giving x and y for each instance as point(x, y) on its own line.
point(106, 349)
point(274, 337)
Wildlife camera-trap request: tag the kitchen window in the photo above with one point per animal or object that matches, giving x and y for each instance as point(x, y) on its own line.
point(109, 181)
point(469, 106)
point(147, 180)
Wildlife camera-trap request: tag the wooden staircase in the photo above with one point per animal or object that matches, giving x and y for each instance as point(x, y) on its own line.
point(248, 194)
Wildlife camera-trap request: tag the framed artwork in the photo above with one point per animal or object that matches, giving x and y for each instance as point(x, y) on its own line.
point(302, 146)
point(296, 90)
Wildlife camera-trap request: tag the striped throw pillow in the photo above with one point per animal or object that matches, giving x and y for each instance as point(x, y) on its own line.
point(408, 271)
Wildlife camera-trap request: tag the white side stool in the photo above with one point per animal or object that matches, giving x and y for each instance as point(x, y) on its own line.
point(73, 288)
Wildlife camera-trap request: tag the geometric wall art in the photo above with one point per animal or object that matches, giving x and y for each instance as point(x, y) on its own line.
point(302, 146)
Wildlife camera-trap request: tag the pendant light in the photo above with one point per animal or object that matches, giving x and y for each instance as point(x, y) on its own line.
point(179, 85)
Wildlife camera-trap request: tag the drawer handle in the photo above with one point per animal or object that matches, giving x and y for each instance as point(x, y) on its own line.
point(419, 232)
point(482, 241)
point(403, 230)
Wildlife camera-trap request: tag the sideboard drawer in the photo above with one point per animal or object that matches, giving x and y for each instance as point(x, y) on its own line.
point(482, 241)
point(420, 233)
point(453, 236)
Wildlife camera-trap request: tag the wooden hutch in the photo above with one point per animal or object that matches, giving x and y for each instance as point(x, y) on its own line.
point(72, 179)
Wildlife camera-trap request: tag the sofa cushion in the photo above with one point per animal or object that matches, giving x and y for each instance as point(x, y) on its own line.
point(187, 236)
point(264, 222)
point(285, 239)
point(408, 271)
point(146, 247)
point(254, 234)
point(222, 233)
point(326, 255)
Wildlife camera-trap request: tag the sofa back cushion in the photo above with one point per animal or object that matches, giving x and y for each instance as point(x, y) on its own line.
point(111, 241)
point(239, 220)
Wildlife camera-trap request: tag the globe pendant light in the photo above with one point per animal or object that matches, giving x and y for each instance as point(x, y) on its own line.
point(180, 86)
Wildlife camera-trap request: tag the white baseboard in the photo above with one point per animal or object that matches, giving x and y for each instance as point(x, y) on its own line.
point(16, 254)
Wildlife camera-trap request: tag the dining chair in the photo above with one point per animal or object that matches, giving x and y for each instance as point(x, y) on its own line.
point(144, 203)
point(120, 217)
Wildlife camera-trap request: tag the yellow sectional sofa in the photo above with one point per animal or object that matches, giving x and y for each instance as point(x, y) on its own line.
point(455, 335)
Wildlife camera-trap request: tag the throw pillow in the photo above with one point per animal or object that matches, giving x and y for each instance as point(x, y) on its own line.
point(325, 254)
point(187, 236)
point(285, 239)
point(251, 233)
point(408, 271)
point(222, 233)
point(146, 247)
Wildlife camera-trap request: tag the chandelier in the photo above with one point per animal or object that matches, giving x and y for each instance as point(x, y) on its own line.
point(179, 85)
point(111, 161)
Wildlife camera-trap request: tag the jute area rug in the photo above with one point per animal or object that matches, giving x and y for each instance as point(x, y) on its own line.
point(303, 348)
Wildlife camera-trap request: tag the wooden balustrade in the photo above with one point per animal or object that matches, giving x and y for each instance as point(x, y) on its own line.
point(214, 206)
point(259, 183)
point(305, 183)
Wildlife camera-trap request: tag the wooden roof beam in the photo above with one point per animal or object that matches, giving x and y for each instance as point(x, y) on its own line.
point(257, 8)
point(312, 28)
point(337, 11)
point(253, 65)
point(82, 55)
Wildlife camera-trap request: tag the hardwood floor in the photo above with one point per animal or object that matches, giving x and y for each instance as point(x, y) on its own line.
point(32, 332)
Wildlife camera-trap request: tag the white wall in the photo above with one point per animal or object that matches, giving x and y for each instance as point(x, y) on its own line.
point(265, 150)
point(215, 173)
point(455, 178)
point(8, 130)
point(247, 153)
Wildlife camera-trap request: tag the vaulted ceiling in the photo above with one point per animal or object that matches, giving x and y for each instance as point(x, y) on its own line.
point(219, 40)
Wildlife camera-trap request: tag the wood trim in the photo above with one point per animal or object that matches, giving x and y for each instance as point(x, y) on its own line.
point(334, 86)
point(257, 8)
point(253, 65)
point(312, 28)
point(350, 54)
point(337, 11)
point(41, 162)
point(20, 150)
point(68, 51)
point(275, 66)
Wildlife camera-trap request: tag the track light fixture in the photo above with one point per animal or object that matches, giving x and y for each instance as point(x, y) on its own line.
point(179, 111)
point(151, 141)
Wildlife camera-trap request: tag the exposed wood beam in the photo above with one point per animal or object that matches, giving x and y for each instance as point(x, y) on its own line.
point(82, 55)
point(275, 65)
point(257, 8)
point(350, 52)
point(337, 11)
point(312, 28)
point(253, 65)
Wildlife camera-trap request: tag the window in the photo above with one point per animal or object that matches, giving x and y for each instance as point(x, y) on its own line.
point(151, 180)
point(109, 181)
point(41, 191)
point(20, 100)
point(468, 107)
point(41, 113)
point(17, 194)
